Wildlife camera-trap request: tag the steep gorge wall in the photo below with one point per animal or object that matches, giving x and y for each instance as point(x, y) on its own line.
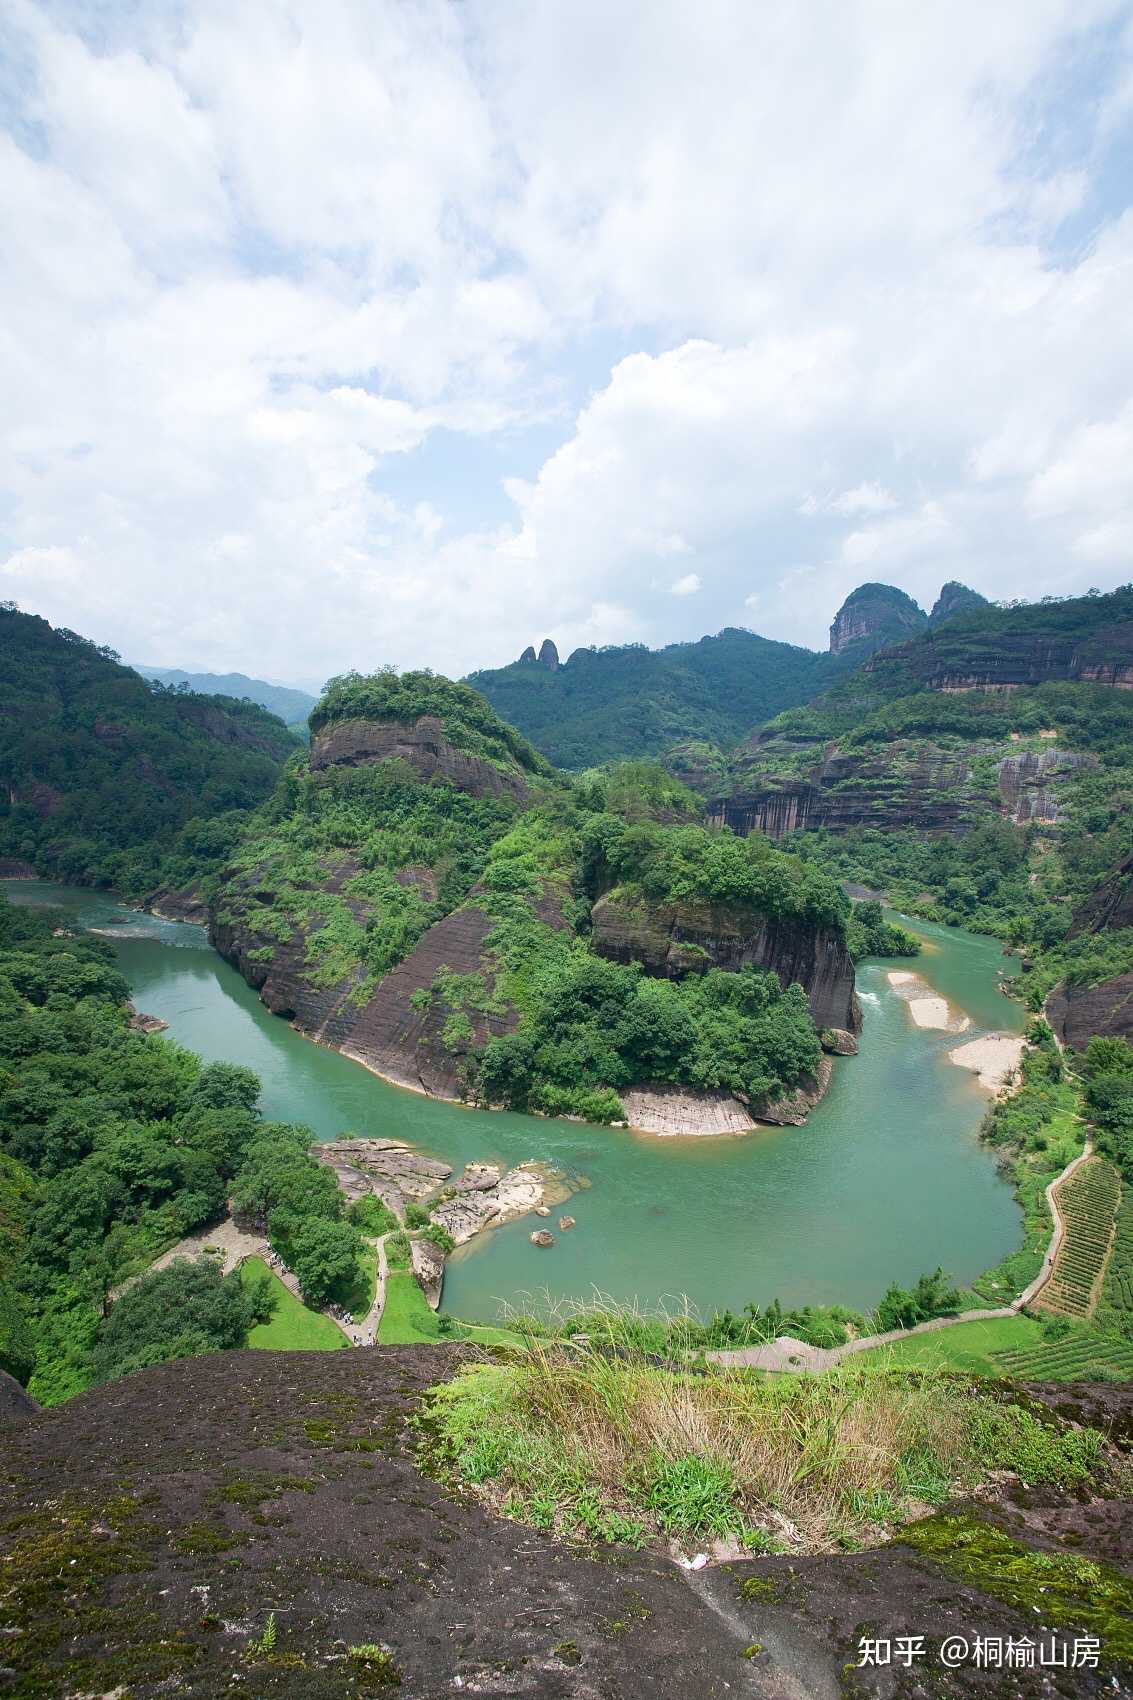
point(905, 784)
point(673, 940)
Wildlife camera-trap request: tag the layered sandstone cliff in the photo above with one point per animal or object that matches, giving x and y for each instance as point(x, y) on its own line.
point(678, 939)
point(422, 745)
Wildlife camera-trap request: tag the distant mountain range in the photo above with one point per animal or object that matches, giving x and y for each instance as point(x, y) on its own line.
point(632, 701)
point(292, 705)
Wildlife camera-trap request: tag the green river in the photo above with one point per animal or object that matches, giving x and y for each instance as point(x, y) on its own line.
point(886, 1179)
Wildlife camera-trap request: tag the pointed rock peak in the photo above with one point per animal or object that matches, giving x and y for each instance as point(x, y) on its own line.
point(549, 656)
point(529, 653)
point(955, 598)
point(873, 616)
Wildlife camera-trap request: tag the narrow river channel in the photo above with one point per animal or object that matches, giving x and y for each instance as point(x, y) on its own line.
point(886, 1179)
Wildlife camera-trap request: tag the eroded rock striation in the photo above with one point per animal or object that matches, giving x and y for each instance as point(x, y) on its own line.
point(678, 939)
point(422, 745)
point(1081, 1013)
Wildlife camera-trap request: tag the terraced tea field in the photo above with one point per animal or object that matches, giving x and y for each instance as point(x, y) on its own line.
point(1080, 1357)
point(1088, 1202)
point(1115, 1307)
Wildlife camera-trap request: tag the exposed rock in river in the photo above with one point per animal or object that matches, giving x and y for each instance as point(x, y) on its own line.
point(678, 1110)
point(387, 1167)
point(185, 904)
point(791, 1109)
point(485, 1198)
point(140, 1023)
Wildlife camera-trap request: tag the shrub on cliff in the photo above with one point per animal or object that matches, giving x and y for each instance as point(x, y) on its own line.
point(177, 1312)
point(690, 864)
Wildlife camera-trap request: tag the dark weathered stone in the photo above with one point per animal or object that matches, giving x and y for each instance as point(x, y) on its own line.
point(16, 1404)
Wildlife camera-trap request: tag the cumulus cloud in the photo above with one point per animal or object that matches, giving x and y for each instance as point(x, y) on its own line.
point(290, 288)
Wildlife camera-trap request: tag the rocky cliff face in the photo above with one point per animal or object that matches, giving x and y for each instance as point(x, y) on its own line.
point(1110, 906)
point(423, 746)
point(1008, 657)
point(674, 940)
point(1081, 1013)
point(1028, 783)
point(874, 615)
point(386, 1029)
point(902, 784)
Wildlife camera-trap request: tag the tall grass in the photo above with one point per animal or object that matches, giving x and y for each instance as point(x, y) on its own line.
point(587, 1436)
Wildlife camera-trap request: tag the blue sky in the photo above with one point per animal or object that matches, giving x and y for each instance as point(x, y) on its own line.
point(353, 332)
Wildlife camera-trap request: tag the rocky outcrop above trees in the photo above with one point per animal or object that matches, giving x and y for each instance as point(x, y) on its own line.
point(423, 746)
point(1028, 783)
point(678, 939)
point(873, 615)
point(1081, 1013)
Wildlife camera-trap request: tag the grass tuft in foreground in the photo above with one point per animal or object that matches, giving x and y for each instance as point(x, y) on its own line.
point(607, 1446)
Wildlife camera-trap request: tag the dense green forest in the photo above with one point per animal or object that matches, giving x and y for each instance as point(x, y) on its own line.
point(107, 780)
point(632, 701)
point(114, 1145)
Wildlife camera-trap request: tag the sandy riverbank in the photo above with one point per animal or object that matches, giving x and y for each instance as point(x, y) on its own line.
point(925, 1007)
point(994, 1058)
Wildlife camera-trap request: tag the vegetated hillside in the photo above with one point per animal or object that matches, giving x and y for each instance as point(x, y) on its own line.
point(115, 1144)
point(107, 780)
point(981, 774)
point(290, 704)
point(628, 700)
point(418, 894)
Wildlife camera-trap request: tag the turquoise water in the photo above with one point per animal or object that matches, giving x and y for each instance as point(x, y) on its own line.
point(887, 1179)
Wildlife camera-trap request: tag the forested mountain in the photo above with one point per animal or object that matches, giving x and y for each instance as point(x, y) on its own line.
point(290, 704)
point(627, 700)
point(109, 780)
point(981, 773)
point(601, 704)
point(422, 891)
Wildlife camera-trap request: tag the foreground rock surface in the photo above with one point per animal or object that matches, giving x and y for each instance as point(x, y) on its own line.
point(199, 1496)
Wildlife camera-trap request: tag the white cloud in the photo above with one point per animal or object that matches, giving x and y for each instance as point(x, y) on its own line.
point(868, 498)
point(263, 261)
